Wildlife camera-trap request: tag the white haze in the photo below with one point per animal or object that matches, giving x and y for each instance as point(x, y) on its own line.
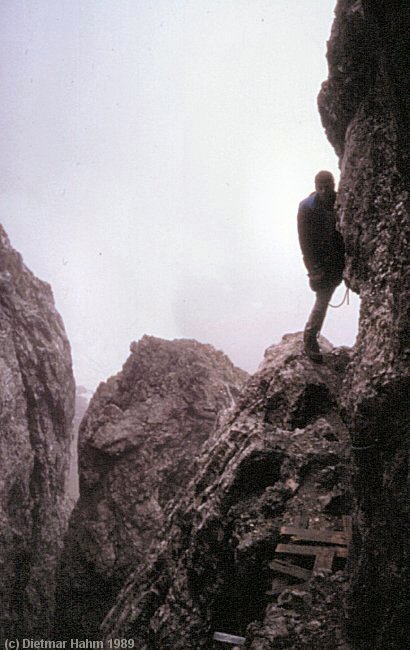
point(153, 155)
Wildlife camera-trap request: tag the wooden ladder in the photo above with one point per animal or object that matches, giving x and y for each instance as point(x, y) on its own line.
point(324, 545)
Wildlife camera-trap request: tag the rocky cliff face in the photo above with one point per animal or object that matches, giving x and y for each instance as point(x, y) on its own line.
point(37, 397)
point(137, 449)
point(279, 456)
point(266, 463)
point(365, 109)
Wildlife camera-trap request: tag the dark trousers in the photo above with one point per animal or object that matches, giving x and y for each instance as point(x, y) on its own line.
point(318, 313)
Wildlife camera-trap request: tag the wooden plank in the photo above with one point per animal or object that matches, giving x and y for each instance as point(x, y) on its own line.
point(347, 525)
point(276, 591)
point(312, 535)
point(295, 549)
point(290, 570)
point(229, 638)
point(324, 558)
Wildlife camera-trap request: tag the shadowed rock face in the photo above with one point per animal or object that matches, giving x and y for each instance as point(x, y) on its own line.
point(137, 448)
point(269, 462)
point(37, 400)
point(365, 110)
point(82, 399)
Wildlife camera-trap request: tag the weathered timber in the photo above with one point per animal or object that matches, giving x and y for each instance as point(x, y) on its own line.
point(347, 526)
point(298, 549)
point(324, 559)
point(290, 570)
point(310, 535)
point(231, 639)
point(276, 591)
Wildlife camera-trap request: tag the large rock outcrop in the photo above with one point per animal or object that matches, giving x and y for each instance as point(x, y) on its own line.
point(37, 403)
point(366, 113)
point(281, 454)
point(137, 448)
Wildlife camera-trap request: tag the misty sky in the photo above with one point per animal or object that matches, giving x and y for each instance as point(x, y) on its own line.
point(153, 155)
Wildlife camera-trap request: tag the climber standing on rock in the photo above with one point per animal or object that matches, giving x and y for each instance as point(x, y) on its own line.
point(323, 254)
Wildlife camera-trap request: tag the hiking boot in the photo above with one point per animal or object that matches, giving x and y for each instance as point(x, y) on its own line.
point(312, 349)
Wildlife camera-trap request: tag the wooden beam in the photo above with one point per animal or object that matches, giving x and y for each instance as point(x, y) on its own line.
point(296, 549)
point(312, 535)
point(347, 525)
point(276, 591)
point(324, 558)
point(229, 638)
point(290, 570)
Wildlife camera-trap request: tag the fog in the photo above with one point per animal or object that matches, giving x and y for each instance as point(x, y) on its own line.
point(153, 155)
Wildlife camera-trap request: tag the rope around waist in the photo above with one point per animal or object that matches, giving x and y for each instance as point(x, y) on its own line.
point(345, 299)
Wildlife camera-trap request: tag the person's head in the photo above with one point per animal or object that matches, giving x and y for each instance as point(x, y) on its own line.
point(325, 187)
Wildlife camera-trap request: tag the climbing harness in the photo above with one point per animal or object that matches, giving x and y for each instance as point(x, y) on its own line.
point(345, 299)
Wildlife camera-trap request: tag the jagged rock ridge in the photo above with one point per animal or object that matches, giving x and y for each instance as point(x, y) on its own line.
point(137, 448)
point(37, 397)
point(282, 448)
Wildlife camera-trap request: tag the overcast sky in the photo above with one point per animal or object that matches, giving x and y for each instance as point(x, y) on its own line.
point(153, 154)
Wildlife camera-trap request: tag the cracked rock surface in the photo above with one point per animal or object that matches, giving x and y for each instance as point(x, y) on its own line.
point(366, 112)
point(279, 455)
point(138, 445)
point(36, 410)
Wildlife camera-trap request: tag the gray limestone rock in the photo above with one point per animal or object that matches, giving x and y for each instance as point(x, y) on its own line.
point(37, 398)
point(282, 448)
point(369, 43)
point(138, 445)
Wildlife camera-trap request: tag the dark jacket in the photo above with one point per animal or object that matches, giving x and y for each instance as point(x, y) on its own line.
point(322, 245)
